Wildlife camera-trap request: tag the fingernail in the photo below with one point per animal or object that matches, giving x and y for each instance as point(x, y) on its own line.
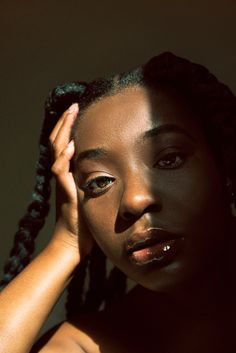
point(70, 144)
point(73, 108)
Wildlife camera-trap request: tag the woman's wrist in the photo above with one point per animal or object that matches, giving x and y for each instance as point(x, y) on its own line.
point(64, 246)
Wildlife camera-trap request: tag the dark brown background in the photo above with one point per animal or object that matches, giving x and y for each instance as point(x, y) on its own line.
point(50, 42)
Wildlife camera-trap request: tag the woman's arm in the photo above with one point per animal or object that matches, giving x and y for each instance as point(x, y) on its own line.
point(26, 302)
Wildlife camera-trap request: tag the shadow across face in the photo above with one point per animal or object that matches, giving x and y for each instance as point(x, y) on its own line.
point(143, 163)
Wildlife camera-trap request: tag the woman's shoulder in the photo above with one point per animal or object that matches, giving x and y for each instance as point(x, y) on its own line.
point(102, 331)
point(67, 337)
point(87, 333)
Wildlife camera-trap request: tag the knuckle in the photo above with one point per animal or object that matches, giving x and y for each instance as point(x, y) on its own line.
point(50, 139)
point(54, 149)
point(64, 152)
point(55, 169)
point(54, 146)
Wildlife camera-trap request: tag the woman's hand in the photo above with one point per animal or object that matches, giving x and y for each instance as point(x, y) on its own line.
point(70, 228)
point(45, 278)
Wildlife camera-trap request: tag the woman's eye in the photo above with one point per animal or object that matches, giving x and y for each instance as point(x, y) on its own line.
point(97, 185)
point(171, 160)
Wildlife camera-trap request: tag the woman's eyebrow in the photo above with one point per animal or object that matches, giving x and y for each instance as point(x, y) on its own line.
point(90, 154)
point(165, 128)
point(155, 131)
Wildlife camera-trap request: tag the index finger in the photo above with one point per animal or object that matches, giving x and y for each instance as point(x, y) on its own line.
point(58, 125)
point(62, 137)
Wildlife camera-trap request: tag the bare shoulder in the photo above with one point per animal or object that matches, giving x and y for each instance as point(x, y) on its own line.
point(66, 337)
point(102, 331)
point(91, 333)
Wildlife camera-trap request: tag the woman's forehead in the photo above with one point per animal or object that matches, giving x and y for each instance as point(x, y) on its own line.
point(132, 111)
point(123, 99)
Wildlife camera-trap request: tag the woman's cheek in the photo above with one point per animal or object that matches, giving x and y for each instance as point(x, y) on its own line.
point(100, 216)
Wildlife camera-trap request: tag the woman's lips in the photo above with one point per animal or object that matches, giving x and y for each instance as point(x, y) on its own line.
point(153, 245)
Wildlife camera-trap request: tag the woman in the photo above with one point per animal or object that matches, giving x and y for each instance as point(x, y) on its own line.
point(145, 170)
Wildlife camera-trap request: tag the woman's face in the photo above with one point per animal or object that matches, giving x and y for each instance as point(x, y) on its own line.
point(148, 187)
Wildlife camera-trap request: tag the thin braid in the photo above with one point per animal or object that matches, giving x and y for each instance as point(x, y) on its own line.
point(115, 286)
point(75, 290)
point(97, 280)
point(34, 219)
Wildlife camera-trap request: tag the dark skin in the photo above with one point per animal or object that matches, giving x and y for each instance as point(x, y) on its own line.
point(150, 183)
point(169, 179)
point(184, 305)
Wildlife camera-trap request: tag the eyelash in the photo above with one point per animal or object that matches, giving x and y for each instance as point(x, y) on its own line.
point(92, 192)
point(181, 159)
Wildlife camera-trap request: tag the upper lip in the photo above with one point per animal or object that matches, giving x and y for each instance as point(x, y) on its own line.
point(148, 237)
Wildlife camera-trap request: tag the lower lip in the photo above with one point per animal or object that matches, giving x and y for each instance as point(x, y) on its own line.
point(160, 252)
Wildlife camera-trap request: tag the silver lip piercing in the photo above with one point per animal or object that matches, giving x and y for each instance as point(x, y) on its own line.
point(229, 185)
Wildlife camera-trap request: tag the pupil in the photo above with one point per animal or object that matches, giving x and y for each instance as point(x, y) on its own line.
point(102, 181)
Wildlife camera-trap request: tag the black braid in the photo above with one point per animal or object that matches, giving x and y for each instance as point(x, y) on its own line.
point(32, 222)
point(75, 290)
point(34, 219)
point(77, 300)
point(97, 280)
point(115, 286)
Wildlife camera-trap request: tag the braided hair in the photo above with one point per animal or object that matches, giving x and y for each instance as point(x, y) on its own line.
point(215, 106)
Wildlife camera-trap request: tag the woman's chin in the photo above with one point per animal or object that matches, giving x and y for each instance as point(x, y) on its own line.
point(170, 278)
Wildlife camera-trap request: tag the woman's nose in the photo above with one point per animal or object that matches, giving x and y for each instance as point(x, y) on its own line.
point(139, 197)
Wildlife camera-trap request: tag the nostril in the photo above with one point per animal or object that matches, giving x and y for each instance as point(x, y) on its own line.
point(154, 208)
point(128, 216)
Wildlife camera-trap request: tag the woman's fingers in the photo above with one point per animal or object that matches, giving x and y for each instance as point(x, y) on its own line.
point(60, 135)
point(63, 152)
point(62, 163)
point(60, 121)
point(63, 135)
point(68, 217)
point(61, 169)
